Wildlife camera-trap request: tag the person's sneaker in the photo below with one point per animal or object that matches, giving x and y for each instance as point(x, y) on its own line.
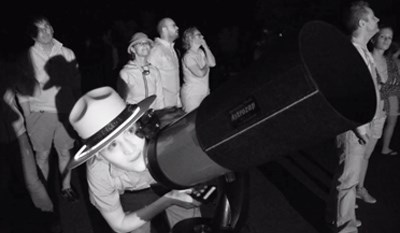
point(358, 223)
point(69, 194)
point(362, 193)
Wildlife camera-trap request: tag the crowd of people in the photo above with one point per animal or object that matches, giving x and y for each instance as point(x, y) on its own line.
point(46, 110)
point(49, 103)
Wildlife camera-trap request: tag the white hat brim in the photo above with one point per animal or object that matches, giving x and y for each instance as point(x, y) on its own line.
point(85, 152)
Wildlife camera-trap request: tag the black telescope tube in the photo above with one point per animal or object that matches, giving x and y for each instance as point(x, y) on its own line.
point(272, 108)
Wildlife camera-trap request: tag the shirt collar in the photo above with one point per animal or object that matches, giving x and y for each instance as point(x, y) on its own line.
point(56, 45)
point(355, 42)
point(165, 42)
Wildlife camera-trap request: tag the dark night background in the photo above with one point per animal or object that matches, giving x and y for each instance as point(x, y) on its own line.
point(75, 20)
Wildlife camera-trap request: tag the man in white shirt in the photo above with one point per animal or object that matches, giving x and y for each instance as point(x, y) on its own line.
point(356, 146)
point(46, 110)
point(164, 57)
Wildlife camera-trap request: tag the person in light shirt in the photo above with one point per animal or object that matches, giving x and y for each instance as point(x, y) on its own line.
point(196, 64)
point(139, 79)
point(164, 57)
point(119, 181)
point(356, 146)
point(57, 87)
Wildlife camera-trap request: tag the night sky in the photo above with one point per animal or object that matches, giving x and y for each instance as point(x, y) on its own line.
point(73, 20)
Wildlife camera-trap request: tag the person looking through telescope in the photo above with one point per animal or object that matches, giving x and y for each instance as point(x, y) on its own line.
point(119, 182)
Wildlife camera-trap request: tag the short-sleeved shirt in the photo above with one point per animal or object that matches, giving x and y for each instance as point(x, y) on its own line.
point(57, 76)
point(108, 182)
point(140, 86)
point(196, 85)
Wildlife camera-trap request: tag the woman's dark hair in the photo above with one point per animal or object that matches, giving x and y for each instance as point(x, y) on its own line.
point(372, 41)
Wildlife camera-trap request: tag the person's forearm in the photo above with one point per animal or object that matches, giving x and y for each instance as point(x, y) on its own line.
point(28, 163)
point(199, 72)
point(210, 56)
point(154, 208)
point(204, 70)
point(134, 220)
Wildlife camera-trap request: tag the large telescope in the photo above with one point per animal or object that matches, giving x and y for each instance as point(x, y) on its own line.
point(274, 107)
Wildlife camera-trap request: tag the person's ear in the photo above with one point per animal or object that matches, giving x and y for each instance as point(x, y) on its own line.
point(164, 30)
point(362, 23)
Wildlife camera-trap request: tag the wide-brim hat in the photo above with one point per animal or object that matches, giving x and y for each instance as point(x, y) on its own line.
point(137, 38)
point(99, 117)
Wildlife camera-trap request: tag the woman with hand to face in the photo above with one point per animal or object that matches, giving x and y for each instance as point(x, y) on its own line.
point(196, 63)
